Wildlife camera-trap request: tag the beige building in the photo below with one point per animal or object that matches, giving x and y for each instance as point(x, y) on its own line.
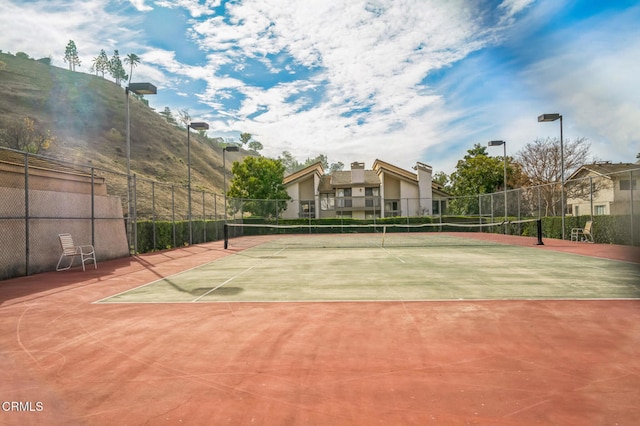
point(382, 191)
point(604, 189)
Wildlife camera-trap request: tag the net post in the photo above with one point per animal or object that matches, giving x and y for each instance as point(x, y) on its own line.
point(539, 229)
point(225, 233)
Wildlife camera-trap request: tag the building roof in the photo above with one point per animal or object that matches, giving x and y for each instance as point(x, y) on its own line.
point(302, 173)
point(603, 169)
point(380, 166)
point(343, 178)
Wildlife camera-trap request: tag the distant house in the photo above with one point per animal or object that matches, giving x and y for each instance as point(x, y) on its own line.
point(604, 188)
point(383, 191)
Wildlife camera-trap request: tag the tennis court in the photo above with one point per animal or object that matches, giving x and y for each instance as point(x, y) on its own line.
point(397, 267)
point(354, 332)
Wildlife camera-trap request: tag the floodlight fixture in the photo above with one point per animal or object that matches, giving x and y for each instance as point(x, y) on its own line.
point(199, 125)
point(549, 117)
point(142, 88)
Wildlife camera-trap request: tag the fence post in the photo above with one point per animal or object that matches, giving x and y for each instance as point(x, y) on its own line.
point(173, 215)
point(26, 214)
point(204, 219)
point(135, 216)
point(631, 182)
point(591, 197)
point(153, 213)
point(93, 211)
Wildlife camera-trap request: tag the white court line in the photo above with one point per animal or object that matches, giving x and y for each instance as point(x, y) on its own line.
point(391, 254)
point(234, 277)
point(528, 299)
point(154, 281)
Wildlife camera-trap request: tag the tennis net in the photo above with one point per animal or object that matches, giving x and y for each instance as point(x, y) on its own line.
point(270, 236)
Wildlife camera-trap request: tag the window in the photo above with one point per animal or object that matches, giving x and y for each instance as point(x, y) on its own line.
point(341, 194)
point(371, 195)
point(626, 184)
point(391, 208)
point(327, 202)
point(576, 210)
point(599, 210)
point(308, 208)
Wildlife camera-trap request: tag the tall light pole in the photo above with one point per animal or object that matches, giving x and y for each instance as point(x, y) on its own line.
point(504, 144)
point(230, 148)
point(553, 117)
point(138, 89)
point(195, 126)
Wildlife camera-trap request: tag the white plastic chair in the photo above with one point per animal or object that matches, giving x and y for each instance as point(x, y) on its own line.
point(583, 234)
point(86, 252)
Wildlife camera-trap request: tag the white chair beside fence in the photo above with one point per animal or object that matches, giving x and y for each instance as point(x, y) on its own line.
point(86, 253)
point(583, 234)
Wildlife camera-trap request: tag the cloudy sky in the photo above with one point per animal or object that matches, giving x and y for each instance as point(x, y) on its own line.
point(399, 80)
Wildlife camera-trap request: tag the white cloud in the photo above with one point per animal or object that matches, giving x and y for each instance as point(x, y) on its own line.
point(44, 28)
point(195, 7)
point(369, 56)
point(140, 5)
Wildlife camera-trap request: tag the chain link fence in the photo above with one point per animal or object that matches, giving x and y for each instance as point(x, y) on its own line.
point(41, 197)
point(611, 201)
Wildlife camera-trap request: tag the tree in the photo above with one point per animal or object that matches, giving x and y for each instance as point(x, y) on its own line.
point(100, 64)
point(336, 167)
point(292, 165)
point(442, 179)
point(258, 184)
point(184, 117)
point(133, 60)
point(168, 116)
point(540, 162)
point(71, 55)
point(116, 69)
point(475, 174)
point(255, 146)
point(25, 135)
point(245, 138)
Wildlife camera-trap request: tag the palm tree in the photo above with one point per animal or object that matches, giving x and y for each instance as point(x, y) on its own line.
point(133, 60)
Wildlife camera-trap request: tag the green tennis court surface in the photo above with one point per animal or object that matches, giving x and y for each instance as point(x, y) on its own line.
point(401, 268)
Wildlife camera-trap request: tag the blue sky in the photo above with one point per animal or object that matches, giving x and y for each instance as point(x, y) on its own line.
point(399, 80)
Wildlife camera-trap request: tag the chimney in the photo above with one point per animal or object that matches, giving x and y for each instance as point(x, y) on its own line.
point(357, 172)
point(425, 180)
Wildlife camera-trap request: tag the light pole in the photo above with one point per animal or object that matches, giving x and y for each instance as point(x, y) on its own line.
point(553, 117)
point(504, 145)
point(230, 148)
point(195, 126)
point(138, 89)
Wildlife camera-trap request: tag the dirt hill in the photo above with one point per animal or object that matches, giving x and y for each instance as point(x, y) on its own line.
point(86, 114)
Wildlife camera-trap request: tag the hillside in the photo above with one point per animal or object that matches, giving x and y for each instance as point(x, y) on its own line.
point(86, 114)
